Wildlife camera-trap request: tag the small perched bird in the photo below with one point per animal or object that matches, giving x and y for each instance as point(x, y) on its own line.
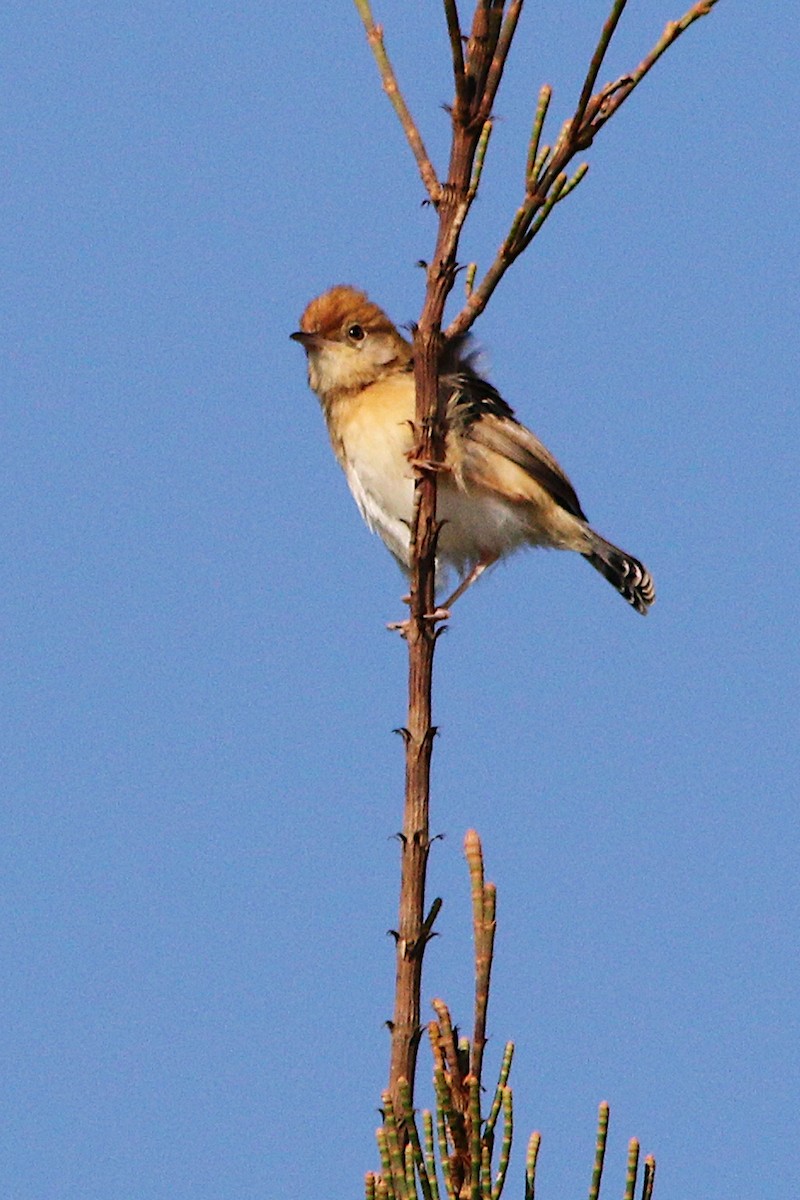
point(499, 489)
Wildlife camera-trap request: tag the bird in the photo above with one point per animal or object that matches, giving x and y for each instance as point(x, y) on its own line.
point(498, 490)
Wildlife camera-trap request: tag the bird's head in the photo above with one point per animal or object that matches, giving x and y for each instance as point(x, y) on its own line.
point(350, 343)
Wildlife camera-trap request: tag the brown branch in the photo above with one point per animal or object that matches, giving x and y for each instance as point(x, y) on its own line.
point(390, 86)
point(421, 631)
point(530, 1165)
point(600, 1151)
point(480, 158)
point(532, 167)
point(546, 182)
point(447, 1048)
point(484, 900)
point(668, 38)
point(609, 29)
point(649, 1177)
point(633, 1169)
point(457, 49)
point(415, 841)
point(500, 57)
point(453, 1092)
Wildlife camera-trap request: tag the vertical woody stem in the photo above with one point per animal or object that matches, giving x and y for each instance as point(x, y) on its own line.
point(421, 629)
point(420, 730)
point(483, 60)
point(415, 841)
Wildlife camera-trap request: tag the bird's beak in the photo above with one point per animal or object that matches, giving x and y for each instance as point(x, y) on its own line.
point(308, 341)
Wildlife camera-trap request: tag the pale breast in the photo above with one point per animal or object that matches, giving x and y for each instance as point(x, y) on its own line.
point(372, 442)
point(477, 526)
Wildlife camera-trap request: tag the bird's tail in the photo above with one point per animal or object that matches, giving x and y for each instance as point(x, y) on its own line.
point(625, 573)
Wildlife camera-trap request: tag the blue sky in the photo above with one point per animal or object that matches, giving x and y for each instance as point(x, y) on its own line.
point(200, 779)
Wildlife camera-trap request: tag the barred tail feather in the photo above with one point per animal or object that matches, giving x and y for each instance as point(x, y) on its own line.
point(625, 573)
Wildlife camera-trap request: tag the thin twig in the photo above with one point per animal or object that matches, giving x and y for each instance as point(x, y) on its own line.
point(543, 177)
point(394, 1148)
point(484, 899)
point(486, 25)
point(505, 1068)
point(633, 1169)
point(448, 1046)
point(457, 50)
point(414, 1146)
point(670, 35)
point(542, 105)
point(444, 1119)
point(411, 1177)
point(600, 1151)
point(530, 1165)
point(500, 57)
point(539, 164)
point(573, 183)
point(386, 1160)
point(428, 1152)
point(474, 1136)
point(486, 1173)
point(480, 158)
point(390, 86)
point(607, 34)
point(505, 1148)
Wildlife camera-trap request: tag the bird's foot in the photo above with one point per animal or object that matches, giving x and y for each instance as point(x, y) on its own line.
point(402, 627)
point(427, 464)
point(439, 614)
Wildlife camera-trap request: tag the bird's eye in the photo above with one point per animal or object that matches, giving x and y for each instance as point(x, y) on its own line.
point(356, 333)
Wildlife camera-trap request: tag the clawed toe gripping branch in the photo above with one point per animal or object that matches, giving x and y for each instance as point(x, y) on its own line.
point(464, 1137)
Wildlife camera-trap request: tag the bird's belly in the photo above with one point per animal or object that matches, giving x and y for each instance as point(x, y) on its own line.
point(477, 527)
point(386, 501)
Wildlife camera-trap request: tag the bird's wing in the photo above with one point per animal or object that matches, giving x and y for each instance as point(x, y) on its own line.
point(490, 438)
